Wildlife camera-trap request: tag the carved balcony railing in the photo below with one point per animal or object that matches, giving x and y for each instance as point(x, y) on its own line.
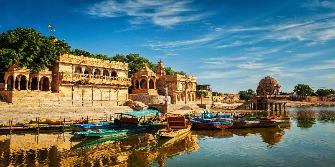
point(89, 79)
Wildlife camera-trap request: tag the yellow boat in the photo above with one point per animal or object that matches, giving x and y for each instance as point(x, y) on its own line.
point(177, 126)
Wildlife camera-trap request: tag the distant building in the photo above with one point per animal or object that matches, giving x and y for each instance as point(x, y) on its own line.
point(73, 81)
point(227, 98)
point(204, 94)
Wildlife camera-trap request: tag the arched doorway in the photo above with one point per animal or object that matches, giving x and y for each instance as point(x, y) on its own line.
point(23, 83)
point(151, 84)
point(44, 84)
point(87, 71)
point(143, 84)
point(114, 74)
point(105, 73)
point(137, 84)
point(97, 72)
point(10, 83)
point(78, 70)
point(34, 84)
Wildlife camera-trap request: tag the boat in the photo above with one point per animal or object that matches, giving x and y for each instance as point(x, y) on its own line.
point(213, 123)
point(177, 126)
point(102, 133)
point(151, 119)
point(87, 126)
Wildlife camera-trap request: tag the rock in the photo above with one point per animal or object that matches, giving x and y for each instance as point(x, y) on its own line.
point(136, 105)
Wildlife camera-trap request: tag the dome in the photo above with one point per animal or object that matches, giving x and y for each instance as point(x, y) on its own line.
point(268, 86)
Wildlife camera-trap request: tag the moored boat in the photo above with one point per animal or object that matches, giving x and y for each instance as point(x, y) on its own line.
point(177, 126)
point(102, 133)
point(200, 123)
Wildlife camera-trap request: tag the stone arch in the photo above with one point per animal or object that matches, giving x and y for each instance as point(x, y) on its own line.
point(88, 71)
point(23, 83)
point(45, 83)
point(10, 83)
point(137, 84)
point(114, 74)
point(143, 84)
point(97, 72)
point(34, 84)
point(151, 84)
point(105, 72)
point(78, 70)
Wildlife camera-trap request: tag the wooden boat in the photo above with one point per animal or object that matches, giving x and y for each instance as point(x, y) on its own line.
point(177, 126)
point(102, 133)
point(146, 118)
point(200, 123)
point(242, 123)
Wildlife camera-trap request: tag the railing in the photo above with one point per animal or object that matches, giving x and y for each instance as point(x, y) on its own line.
point(95, 79)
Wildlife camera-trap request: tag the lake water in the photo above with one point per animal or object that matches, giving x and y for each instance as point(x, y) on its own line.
point(308, 141)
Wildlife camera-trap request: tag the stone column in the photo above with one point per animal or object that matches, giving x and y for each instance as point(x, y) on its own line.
point(19, 84)
point(6, 84)
point(26, 88)
point(148, 83)
point(256, 105)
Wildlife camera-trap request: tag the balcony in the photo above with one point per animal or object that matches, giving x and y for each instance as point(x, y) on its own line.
point(89, 79)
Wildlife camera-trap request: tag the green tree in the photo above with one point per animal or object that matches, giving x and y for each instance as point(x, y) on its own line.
point(247, 94)
point(324, 92)
point(120, 57)
point(80, 52)
point(303, 90)
point(26, 47)
point(200, 93)
point(217, 94)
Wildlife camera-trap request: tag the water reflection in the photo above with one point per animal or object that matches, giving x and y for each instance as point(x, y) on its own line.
point(306, 117)
point(64, 150)
point(130, 152)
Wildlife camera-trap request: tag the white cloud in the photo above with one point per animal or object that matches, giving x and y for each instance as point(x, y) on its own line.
point(163, 13)
point(327, 35)
point(312, 4)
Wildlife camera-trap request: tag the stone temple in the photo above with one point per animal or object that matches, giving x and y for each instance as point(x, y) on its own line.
point(268, 98)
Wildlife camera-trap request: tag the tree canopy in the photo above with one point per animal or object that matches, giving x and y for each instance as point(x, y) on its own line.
point(325, 92)
point(217, 93)
point(27, 47)
point(303, 90)
point(247, 94)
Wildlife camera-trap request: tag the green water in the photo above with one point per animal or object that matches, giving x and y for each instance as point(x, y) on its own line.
point(309, 140)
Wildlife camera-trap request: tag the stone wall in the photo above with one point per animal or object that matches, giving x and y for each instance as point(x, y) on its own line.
point(68, 96)
point(149, 99)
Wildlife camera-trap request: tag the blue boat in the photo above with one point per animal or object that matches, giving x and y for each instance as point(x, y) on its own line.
point(98, 125)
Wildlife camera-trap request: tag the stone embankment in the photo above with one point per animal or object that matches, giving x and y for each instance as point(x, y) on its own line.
point(26, 114)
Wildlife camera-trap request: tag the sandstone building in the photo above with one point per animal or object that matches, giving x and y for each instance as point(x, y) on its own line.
point(157, 87)
point(73, 81)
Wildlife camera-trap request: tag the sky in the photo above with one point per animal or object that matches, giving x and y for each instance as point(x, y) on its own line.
point(229, 44)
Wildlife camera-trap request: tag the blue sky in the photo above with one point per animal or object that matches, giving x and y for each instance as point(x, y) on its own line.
point(228, 44)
